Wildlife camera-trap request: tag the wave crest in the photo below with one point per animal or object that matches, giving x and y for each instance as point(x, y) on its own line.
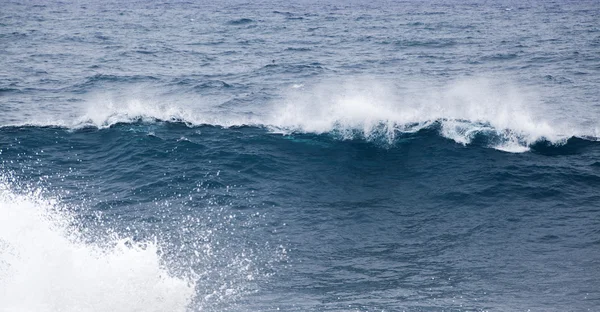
point(462, 111)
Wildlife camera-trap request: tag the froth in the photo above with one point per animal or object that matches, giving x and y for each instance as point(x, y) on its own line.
point(464, 109)
point(45, 266)
point(107, 111)
point(370, 108)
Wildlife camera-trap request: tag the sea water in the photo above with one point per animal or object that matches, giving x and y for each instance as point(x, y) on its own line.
point(306, 156)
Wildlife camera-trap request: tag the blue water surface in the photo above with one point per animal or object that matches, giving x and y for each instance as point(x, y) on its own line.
point(307, 156)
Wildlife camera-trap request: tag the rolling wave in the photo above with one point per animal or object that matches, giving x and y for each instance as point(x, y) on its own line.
point(467, 112)
point(465, 133)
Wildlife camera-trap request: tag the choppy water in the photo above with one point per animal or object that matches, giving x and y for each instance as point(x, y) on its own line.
point(317, 156)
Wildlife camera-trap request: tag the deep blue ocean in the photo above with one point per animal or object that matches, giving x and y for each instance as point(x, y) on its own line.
point(308, 156)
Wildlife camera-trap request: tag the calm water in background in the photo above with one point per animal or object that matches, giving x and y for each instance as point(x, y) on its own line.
point(316, 156)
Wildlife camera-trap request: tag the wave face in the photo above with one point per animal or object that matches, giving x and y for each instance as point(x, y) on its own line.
point(215, 218)
point(380, 156)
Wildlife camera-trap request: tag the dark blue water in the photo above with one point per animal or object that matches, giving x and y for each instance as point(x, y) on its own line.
point(317, 156)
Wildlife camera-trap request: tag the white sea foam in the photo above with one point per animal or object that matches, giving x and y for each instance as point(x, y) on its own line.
point(44, 265)
point(463, 109)
point(367, 107)
point(103, 111)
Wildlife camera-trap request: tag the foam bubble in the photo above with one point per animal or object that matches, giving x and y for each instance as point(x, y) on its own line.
point(45, 265)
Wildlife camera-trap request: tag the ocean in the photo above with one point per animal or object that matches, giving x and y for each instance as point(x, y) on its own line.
point(299, 156)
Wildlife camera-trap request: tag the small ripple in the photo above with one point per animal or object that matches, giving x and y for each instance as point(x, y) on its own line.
point(241, 21)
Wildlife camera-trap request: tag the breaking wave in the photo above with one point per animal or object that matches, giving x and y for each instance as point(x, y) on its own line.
point(462, 111)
